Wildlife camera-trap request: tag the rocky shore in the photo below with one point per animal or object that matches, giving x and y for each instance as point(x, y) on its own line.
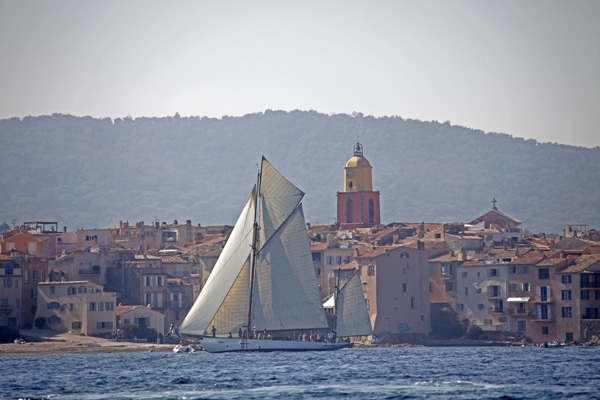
point(40, 342)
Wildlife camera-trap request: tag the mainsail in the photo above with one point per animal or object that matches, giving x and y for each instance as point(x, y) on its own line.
point(224, 300)
point(264, 277)
point(351, 309)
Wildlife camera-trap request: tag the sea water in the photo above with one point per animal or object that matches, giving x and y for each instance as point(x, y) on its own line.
point(374, 373)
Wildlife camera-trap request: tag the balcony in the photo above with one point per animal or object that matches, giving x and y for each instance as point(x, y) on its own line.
point(95, 270)
point(6, 309)
point(542, 318)
point(521, 313)
point(544, 299)
point(590, 285)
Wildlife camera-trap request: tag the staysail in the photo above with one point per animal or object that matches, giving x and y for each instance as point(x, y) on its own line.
point(224, 300)
point(351, 309)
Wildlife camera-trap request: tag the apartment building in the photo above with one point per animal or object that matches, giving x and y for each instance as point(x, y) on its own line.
point(77, 306)
point(395, 284)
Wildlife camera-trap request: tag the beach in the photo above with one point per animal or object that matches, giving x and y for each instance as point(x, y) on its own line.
point(43, 342)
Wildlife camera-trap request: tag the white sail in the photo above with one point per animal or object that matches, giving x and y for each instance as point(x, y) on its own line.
point(264, 277)
point(278, 200)
point(224, 300)
point(286, 293)
point(351, 309)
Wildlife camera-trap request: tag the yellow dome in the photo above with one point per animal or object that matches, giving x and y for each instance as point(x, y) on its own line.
point(357, 161)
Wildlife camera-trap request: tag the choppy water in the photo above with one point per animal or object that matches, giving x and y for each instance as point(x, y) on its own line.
point(381, 373)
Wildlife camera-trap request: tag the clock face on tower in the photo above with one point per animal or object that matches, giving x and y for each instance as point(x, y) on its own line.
point(350, 174)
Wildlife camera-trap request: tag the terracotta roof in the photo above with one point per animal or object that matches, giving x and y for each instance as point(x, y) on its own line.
point(125, 309)
point(213, 239)
point(173, 260)
point(318, 246)
point(583, 262)
point(377, 251)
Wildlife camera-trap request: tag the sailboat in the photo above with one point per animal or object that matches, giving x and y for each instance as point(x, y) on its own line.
point(263, 281)
point(350, 309)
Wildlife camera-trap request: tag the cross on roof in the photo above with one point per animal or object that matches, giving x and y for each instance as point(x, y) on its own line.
point(494, 201)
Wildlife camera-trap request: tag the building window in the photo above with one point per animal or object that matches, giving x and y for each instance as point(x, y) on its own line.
point(544, 273)
point(431, 269)
point(148, 281)
point(466, 291)
point(34, 276)
point(513, 270)
point(92, 306)
point(338, 260)
point(404, 287)
point(480, 306)
point(493, 272)
point(566, 312)
point(463, 275)
point(526, 287)
point(26, 277)
point(33, 293)
point(430, 287)
point(521, 326)
point(545, 330)
point(104, 325)
point(460, 307)
point(82, 289)
point(565, 279)
point(413, 302)
point(566, 294)
point(446, 269)
point(70, 306)
point(493, 291)
point(52, 290)
point(512, 287)
point(371, 270)
point(100, 306)
point(585, 295)
point(329, 260)
point(76, 325)
point(524, 269)
point(449, 287)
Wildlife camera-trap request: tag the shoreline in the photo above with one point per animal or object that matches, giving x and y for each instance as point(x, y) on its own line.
point(40, 342)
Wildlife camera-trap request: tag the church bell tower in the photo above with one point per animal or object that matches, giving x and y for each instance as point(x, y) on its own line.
point(358, 204)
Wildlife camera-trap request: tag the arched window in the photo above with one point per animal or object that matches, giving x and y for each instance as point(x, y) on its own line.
point(349, 211)
point(371, 211)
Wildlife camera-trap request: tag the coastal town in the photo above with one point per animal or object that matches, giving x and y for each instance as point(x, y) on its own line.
point(486, 279)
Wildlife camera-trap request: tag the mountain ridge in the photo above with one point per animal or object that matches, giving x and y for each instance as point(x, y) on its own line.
point(86, 172)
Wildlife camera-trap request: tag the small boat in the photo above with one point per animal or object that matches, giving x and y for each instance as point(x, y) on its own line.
point(264, 278)
point(184, 347)
point(553, 343)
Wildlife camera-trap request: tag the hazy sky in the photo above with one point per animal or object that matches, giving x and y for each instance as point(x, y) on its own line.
point(529, 68)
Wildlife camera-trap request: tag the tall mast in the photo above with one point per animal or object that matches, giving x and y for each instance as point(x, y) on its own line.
point(336, 293)
point(254, 247)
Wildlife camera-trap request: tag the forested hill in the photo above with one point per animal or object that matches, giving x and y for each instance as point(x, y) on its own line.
point(84, 172)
